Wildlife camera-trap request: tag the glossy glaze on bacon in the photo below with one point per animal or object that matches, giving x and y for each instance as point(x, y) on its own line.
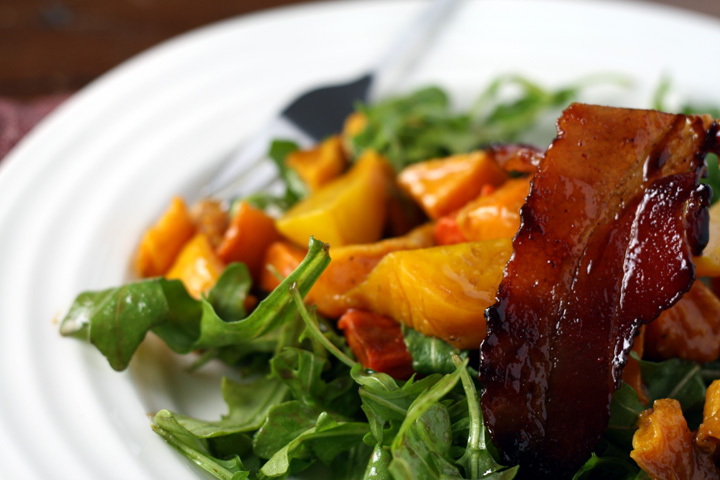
point(613, 217)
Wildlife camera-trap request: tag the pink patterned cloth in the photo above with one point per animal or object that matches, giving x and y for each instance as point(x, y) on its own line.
point(18, 118)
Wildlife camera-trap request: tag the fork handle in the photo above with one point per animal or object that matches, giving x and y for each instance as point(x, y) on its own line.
point(409, 47)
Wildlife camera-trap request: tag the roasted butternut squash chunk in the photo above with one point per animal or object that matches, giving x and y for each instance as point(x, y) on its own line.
point(495, 215)
point(443, 185)
point(318, 165)
point(164, 240)
point(247, 238)
point(197, 266)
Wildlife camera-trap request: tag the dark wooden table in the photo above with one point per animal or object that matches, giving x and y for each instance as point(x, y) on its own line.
point(53, 46)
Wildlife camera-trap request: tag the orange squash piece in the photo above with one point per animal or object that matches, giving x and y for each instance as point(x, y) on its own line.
point(663, 445)
point(690, 329)
point(197, 266)
point(707, 437)
point(163, 241)
point(441, 186)
point(281, 258)
point(438, 291)
point(319, 165)
point(496, 215)
point(377, 343)
point(250, 233)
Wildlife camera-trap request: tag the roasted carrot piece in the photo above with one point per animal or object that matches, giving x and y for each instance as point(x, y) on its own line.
point(197, 266)
point(164, 240)
point(442, 186)
point(318, 165)
point(377, 342)
point(281, 258)
point(247, 238)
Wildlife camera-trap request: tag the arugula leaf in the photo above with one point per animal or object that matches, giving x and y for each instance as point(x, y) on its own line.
point(249, 404)
point(378, 468)
point(477, 460)
point(599, 468)
point(430, 354)
point(678, 379)
point(421, 446)
point(193, 450)
point(295, 187)
point(116, 320)
point(327, 439)
point(625, 407)
point(284, 423)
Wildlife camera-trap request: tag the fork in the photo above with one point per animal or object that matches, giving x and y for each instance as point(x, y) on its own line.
point(320, 112)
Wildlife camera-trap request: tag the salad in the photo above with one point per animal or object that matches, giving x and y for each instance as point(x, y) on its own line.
point(354, 304)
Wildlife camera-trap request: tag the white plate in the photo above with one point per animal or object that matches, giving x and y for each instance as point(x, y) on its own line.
point(77, 193)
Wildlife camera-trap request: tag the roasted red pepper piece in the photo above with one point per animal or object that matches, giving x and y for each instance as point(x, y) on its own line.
point(614, 215)
point(377, 342)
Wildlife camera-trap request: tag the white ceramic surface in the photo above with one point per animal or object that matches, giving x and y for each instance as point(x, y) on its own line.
point(76, 194)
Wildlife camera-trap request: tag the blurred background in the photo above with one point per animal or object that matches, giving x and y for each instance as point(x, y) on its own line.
point(52, 47)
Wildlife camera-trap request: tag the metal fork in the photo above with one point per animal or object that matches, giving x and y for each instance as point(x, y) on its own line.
point(321, 112)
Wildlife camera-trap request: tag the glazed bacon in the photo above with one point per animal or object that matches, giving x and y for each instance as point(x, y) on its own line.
point(613, 217)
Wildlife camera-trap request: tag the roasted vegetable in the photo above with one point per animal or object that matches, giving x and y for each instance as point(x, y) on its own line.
point(320, 164)
point(443, 185)
point(445, 302)
point(495, 215)
point(197, 266)
point(377, 342)
point(664, 448)
point(164, 240)
point(247, 238)
point(349, 210)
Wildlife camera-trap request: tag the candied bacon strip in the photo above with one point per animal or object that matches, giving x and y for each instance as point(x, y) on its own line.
point(613, 217)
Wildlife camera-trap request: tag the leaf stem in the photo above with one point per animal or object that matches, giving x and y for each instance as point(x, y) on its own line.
point(314, 330)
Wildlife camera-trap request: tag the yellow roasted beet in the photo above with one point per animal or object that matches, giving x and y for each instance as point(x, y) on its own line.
point(351, 264)
point(708, 264)
point(197, 266)
point(318, 165)
point(439, 291)
point(443, 185)
point(349, 210)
